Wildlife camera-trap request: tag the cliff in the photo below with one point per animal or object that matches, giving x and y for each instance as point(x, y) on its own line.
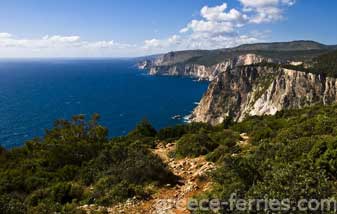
point(207, 64)
point(199, 71)
point(252, 79)
point(257, 90)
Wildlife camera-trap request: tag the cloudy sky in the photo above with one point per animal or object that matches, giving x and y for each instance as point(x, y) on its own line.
point(126, 28)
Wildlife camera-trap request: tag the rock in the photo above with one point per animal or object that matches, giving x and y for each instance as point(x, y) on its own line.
point(257, 90)
point(238, 88)
point(167, 65)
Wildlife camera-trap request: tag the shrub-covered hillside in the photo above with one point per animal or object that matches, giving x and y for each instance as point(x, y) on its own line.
point(325, 64)
point(290, 155)
point(75, 163)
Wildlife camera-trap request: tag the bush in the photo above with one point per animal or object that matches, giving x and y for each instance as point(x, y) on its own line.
point(143, 129)
point(293, 181)
point(293, 155)
point(193, 145)
point(54, 173)
point(120, 192)
point(172, 133)
point(65, 192)
point(9, 204)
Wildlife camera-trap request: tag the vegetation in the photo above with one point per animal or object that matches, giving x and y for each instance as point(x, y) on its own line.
point(325, 65)
point(76, 164)
point(206, 142)
point(290, 155)
point(285, 51)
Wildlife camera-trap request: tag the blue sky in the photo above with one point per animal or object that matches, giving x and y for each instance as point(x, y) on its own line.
point(102, 28)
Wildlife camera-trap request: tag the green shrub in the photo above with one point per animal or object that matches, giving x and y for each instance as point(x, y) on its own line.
point(143, 129)
point(55, 173)
point(194, 145)
point(9, 204)
point(120, 192)
point(293, 155)
point(65, 192)
point(172, 133)
point(293, 181)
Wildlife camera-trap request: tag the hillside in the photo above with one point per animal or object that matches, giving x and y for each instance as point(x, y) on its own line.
point(282, 51)
point(256, 79)
point(75, 168)
point(300, 45)
point(289, 156)
point(263, 129)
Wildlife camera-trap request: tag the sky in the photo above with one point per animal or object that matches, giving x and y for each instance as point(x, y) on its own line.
point(128, 28)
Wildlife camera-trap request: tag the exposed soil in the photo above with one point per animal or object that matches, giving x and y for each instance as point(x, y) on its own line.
point(193, 173)
point(169, 199)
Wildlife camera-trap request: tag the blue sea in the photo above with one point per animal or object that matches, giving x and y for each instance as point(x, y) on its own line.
point(35, 93)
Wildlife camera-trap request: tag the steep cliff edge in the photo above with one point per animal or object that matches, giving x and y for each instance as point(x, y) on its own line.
point(207, 64)
point(262, 90)
point(253, 79)
point(199, 71)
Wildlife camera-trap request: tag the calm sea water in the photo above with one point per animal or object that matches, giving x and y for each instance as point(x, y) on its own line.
point(34, 93)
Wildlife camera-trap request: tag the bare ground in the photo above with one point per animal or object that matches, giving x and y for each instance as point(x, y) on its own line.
point(172, 199)
point(169, 199)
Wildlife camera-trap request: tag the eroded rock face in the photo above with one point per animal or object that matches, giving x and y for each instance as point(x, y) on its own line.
point(239, 88)
point(250, 90)
point(201, 72)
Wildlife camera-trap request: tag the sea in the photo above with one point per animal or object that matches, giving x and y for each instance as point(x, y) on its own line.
point(36, 92)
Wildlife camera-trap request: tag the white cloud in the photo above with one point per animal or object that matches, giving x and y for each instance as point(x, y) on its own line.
point(7, 40)
point(62, 39)
point(5, 35)
point(289, 2)
point(205, 41)
point(174, 40)
point(259, 3)
point(219, 26)
point(264, 11)
point(152, 43)
point(58, 45)
point(218, 14)
point(102, 44)
point(216, 20)
point(107, 44)
point(211, 13)
point(156, 44)
point(208, 26)
point(216, 27)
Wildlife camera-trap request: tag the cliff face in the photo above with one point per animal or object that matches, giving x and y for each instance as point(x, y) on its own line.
point(165, 66)
point(251, 90)
point(200, 72)
point(238, 88)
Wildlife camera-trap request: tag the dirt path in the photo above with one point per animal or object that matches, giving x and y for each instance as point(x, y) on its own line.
point(172, 199)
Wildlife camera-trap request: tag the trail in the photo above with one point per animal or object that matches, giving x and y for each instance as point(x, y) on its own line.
point(193, 173)
point(173, 199)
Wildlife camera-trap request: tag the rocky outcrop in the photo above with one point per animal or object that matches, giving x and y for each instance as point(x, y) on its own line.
point(256, 90)
point(200, 72)
point(145, 64)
